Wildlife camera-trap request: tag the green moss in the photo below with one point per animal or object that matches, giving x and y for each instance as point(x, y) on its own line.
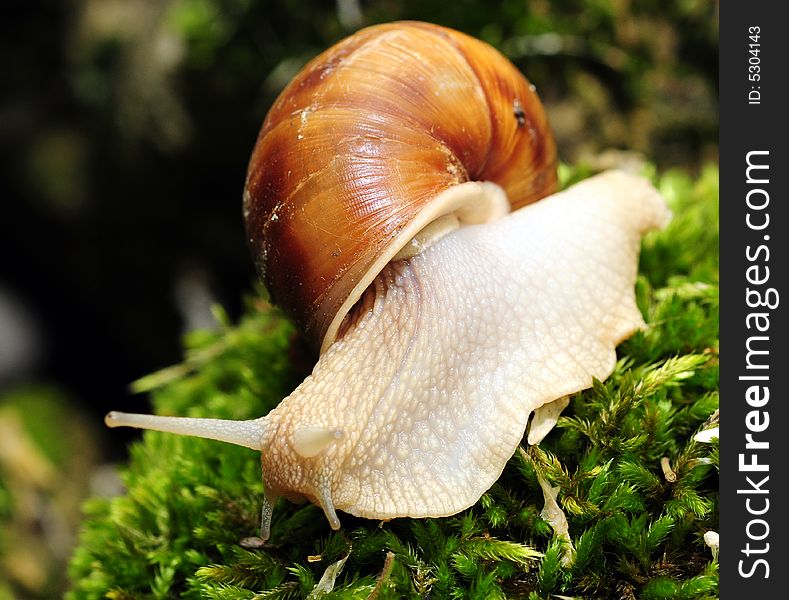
point(635, 532)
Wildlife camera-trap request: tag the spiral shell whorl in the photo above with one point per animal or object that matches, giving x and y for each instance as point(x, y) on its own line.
point(360, 143)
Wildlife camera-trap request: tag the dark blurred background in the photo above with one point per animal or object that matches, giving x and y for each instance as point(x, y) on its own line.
point(125, 129)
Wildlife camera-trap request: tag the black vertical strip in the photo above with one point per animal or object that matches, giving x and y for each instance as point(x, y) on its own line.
point(754, 52)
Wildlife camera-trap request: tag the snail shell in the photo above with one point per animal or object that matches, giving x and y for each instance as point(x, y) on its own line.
point(371, 154)
point(354, 155)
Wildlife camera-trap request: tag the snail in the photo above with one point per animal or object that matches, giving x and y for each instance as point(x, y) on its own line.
point(391, 207)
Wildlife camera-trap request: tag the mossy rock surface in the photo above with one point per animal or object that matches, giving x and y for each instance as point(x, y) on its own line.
point(638, 492)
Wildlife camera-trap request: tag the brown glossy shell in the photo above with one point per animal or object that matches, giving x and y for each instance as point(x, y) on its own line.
point(364, 137)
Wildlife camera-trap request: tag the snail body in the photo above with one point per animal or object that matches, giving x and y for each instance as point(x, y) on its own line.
point(437, 341)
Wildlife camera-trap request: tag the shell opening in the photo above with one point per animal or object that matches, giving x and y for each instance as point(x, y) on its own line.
point(469, 203)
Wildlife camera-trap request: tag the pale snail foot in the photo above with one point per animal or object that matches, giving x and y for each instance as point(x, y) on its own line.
point(265, 516)
point(545, 418)
point(551, 512)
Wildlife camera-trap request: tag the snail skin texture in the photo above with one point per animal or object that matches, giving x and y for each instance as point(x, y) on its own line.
point(451, 335)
